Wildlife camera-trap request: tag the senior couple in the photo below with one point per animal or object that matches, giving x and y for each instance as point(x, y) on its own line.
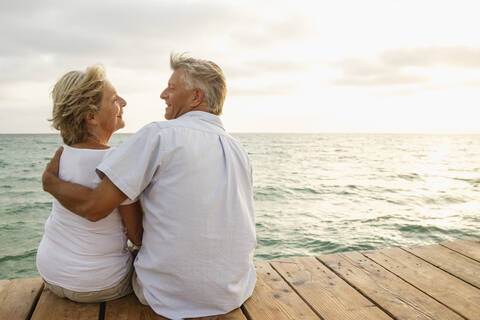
point(180, 189)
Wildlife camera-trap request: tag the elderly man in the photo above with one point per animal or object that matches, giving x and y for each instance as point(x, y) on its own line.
point(194, 182)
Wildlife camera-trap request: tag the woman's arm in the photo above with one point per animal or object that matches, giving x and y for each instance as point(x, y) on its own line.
point(132, 216)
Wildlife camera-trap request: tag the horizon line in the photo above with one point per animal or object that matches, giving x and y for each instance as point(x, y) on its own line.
point(288, 132)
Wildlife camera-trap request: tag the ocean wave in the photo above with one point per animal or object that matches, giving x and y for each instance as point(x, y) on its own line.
point(28, 179)
point(306, 190)
point(443, 200)
point(323, 247)
point(27, 207)
point(474, 182)
point(268, 193)
point(19, 257)
point(410, 177)
point(430, 231)
point(354, 247)
point(11, 226)
point(268, 242)
point(16, 193)
point(378, 219)
point(344, 193)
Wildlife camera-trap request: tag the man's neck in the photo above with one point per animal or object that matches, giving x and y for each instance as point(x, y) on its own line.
point(199, 108)
point(202, 108)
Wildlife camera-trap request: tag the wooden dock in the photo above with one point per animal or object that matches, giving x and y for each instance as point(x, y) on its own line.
point(440, 281)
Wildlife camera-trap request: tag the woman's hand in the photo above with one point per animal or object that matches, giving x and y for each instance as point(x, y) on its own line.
point(132, 218)
point(51, 171)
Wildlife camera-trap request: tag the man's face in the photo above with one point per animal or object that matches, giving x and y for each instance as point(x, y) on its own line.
point(176, 96)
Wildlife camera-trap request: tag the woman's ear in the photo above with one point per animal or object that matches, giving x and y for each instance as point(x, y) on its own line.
point(90, 118)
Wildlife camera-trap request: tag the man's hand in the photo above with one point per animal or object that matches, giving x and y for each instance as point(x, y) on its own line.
point(91, 204)
point(51, 171)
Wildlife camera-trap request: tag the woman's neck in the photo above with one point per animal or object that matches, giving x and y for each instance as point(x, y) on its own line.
point(91, 142)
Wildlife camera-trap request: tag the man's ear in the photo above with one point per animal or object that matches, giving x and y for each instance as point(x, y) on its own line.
point(198, 98)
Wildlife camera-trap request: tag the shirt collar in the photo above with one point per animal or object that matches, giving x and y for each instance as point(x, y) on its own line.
point(204, 116)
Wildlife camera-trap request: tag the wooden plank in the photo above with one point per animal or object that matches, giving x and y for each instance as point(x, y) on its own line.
point(468, 247)
point(50, 306)
point(392, 294)
point(446, 259)
point(273, 299)
point(17, 297)
point(129, 308)
point(330, 296)
point(234, 315)
point(451, 291)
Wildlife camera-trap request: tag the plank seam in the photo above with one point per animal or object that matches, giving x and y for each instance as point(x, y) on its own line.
point(245, 312)
point(35, 302)
point(357, 289)
point(298, 294)
point(439, 267)
point(459, 252)
point(396, 275)
point(101, 312)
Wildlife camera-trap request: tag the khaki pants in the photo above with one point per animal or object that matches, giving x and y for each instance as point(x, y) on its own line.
point(118, 290)
point(138, 289)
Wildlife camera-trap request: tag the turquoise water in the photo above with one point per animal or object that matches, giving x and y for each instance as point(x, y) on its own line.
point(314, 193)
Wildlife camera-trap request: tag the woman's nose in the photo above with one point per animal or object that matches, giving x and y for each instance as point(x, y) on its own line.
point(123, 102)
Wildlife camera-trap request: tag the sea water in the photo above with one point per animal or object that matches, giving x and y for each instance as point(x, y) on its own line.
point(314, 193)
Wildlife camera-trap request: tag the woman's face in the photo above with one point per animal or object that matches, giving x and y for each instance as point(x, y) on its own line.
point(111, 109)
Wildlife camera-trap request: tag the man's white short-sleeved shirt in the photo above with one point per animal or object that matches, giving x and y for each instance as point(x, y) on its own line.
point(195, 186)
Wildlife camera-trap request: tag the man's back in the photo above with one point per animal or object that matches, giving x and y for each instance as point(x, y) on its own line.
point(196, 191)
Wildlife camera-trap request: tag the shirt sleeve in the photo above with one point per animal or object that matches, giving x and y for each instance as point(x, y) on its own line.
point(128, 201)
point(132, 165)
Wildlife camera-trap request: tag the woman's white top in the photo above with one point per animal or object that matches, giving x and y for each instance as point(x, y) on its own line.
point(75, 253)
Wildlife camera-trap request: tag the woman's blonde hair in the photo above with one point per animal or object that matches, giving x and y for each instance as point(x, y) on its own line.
point(74, 96)
point(205, 75)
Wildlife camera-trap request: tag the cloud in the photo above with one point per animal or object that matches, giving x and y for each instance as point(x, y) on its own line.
point(360, 73)
point(453, 56)
point(275, 89)
point(255, 67)
point(380, 80)
point(471, 83)
point(254, 30)
point(393, 67)
point(42, 41)
point(106, 29)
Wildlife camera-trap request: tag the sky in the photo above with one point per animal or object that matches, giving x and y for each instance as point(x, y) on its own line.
point(291, 66)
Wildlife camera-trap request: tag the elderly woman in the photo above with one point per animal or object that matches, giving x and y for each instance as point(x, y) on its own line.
point(82, 260)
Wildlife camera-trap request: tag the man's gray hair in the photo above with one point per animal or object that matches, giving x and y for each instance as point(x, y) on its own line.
point(205, 75)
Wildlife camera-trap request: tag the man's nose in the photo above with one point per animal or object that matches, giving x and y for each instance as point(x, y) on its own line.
point(163, 95)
